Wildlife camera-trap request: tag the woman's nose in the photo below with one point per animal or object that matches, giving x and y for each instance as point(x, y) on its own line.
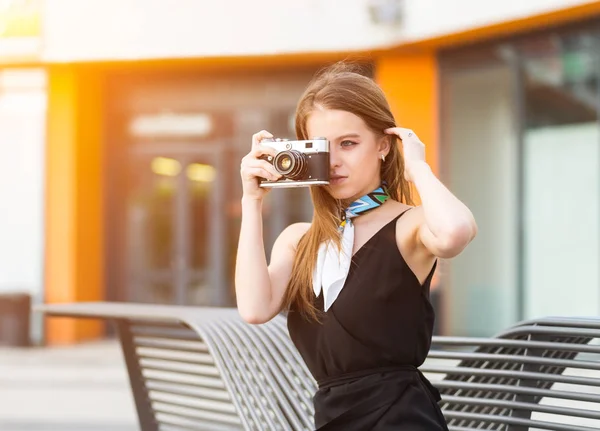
point(334, 159)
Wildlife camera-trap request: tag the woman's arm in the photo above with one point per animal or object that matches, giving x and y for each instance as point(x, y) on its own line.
point(259, 288)
point(252, 282)
point(446, 226)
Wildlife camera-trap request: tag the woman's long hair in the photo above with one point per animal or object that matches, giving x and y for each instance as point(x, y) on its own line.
point(340, 87)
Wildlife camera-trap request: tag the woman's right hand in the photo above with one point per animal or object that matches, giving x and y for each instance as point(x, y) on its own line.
point(253, 168)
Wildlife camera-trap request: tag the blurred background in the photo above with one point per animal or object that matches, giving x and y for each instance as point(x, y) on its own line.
point(123, 122)
point(122, 126)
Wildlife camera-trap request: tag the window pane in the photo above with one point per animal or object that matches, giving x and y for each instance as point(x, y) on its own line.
point(561, 183)
point(479, 287)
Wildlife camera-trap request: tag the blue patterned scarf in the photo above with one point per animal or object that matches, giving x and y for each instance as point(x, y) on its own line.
point(367, 203)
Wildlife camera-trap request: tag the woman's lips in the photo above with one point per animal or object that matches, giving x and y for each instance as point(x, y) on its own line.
point(336, 179)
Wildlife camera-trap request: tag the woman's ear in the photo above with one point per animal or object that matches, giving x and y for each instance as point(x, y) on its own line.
point(385, 144)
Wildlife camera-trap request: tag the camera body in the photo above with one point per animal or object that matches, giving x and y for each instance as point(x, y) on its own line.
point(300, 163)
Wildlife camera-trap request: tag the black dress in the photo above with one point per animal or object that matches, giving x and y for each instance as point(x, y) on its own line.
point(365, 352)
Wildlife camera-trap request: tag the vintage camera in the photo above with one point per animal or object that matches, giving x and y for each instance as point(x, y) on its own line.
point(300, 163)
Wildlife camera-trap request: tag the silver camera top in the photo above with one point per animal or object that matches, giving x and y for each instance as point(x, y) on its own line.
point(314, 145)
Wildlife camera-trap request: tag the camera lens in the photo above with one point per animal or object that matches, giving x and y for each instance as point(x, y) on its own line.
point(290, 164)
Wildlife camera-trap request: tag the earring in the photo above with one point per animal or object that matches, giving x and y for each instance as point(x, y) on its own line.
point(383, 158)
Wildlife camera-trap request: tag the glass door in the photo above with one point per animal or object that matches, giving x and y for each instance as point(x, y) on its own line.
point(175, 226)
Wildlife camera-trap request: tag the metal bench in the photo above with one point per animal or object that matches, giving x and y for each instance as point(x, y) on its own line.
point(195, 368)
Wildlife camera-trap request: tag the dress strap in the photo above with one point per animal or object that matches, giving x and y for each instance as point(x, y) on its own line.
point(395, 219)
point(404, 212)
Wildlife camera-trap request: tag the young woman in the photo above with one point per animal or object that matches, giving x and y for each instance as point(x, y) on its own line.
point(355, 281)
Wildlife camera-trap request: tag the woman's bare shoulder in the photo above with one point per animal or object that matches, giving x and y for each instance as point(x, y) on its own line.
point(292, 234)
point(398, 208)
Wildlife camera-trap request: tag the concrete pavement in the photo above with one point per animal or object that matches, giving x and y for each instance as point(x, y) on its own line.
point(83, 388)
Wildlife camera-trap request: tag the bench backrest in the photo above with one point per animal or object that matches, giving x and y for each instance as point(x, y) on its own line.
point(216, 374)
point(542, 374)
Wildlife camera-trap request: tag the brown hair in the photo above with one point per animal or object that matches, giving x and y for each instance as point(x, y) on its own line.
point(341, 86)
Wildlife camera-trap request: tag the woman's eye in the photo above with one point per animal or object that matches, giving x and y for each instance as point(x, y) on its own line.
point(347, 143)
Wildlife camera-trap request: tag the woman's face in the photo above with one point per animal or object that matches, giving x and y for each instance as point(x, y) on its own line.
point(355, 152)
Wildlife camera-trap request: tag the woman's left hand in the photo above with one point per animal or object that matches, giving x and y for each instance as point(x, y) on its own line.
point(413, 149)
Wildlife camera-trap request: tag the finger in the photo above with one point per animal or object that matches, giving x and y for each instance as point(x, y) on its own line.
point(407, 134)
point(257, 137)
point(255, 172)
point(262, 164)
point(401, 131)
point(263, 150)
